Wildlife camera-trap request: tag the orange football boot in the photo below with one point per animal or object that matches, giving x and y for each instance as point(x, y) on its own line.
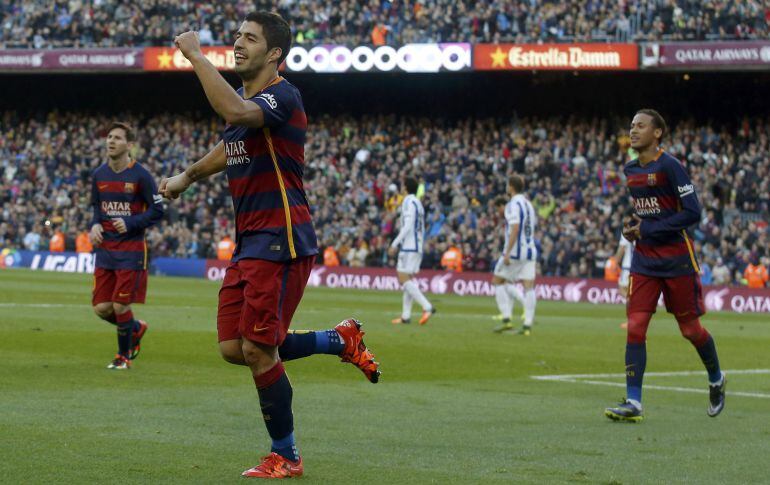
point(275, 466)
point(426, 316)
point(356, 351)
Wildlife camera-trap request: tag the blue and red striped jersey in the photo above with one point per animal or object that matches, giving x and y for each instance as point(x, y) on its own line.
point(130, 195)
point(264, 170)
point(664, 198)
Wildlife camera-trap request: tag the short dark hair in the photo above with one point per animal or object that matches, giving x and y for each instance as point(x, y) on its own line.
point(517, 182)
point(275, 29)
point(657, 121)
point(411, 184)
point(500, 201)
point(130, 134)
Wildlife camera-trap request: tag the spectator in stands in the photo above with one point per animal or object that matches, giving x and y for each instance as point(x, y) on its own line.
point(57, 242)
point(330, 256)
point(352, 162)
point(114, 23)
point(452, 259)
point(706, 273)
point(721, 273)
point(32, 239)
point(755, 274)
point(225, 249)
point(83, 243)
point(357, 256)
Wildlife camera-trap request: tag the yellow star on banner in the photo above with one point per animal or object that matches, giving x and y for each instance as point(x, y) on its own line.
point(498, 58)
point(164, 60)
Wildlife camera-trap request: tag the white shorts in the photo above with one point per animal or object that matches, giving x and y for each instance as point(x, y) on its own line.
point(516, 270)
point(409, 262)
point(623, 280)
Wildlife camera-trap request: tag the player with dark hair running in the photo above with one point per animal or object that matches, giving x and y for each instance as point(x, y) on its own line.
point(518, 261)
point(262, 152)
point(125, 204)
point(665, 205)
point(409, 243)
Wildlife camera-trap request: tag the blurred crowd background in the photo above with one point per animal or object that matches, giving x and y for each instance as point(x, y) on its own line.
point(354, 169)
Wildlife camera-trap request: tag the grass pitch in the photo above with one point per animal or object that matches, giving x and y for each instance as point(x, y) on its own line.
point(456, 403)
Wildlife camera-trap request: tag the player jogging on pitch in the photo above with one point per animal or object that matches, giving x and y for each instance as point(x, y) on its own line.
point(262, 152)
point(409, 245)
point(665, 205)
point(519, 257)
point(125, 203)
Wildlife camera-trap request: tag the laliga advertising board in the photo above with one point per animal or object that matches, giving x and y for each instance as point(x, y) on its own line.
point(449, 57)
point(736, 299)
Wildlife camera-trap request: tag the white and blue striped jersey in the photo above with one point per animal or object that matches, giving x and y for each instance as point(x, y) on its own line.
point(628, 254)
point(412, 233)
point(520, 211)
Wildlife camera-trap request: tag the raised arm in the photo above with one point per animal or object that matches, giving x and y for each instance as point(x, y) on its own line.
point(222, 97)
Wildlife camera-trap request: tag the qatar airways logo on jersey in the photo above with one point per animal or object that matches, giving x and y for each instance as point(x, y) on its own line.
point(236, 154)
point(114, 209)
point(647, 206)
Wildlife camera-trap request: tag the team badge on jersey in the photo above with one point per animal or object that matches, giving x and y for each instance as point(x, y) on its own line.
point(129, 188)
point(652, 179)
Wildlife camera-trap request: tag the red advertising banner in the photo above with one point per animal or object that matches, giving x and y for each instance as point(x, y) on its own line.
point(71, 59)
point(171, 59)
point(561, 57)
point(711, 55)
point(735, 299)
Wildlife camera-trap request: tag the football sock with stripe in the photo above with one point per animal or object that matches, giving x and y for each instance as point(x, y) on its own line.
point(636, 361)
point(708, 354)
point(275, 396)
point(704, 343)
point(126, 325)
point(297, 345)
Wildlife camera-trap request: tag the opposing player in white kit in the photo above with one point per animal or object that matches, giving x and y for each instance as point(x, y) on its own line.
point(409, 245)
point(624, 254)
point(519, 258)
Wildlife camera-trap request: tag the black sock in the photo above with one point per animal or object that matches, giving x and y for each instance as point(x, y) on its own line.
point(708, 354)
point(297, 346)
point(126, 325)
point(275, 395)
point(110, 319)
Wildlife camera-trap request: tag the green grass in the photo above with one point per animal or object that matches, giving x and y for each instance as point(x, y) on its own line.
point(456, 403)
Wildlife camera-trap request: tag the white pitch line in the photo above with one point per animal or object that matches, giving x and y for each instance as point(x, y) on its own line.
point(558, 377)
point(581, 379)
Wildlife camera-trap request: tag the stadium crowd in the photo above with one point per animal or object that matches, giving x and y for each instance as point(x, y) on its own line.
point(353, 171)
point(118, 23)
